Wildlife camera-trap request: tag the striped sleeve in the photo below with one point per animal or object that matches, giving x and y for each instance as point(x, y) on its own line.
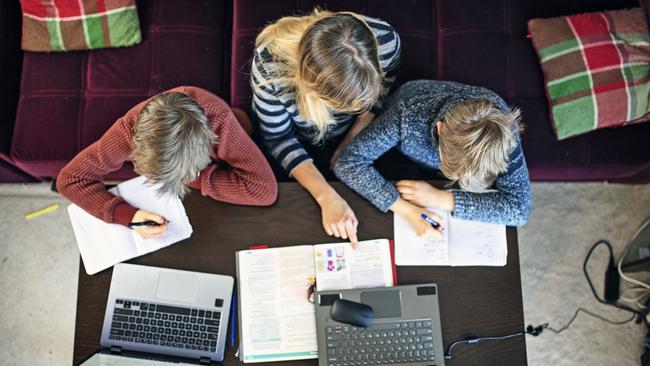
point(389, 56)
point(275, 122)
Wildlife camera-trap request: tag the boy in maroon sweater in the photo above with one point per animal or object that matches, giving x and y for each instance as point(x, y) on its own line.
point(177, 138)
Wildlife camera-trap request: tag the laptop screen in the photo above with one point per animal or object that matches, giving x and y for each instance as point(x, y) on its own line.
point(102, 359)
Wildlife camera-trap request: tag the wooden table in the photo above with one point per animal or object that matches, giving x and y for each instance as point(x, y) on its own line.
point(479, 301)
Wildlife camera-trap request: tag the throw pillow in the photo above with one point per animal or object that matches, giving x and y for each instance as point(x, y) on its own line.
point(596, 68)
point(65, 25)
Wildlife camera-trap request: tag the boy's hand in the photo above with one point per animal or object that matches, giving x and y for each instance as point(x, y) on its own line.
point(147, 232)
point(424, 194)
point(412, 214)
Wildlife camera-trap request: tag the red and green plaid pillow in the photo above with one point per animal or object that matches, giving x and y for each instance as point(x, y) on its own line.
point(64, 25)
point(596, 68)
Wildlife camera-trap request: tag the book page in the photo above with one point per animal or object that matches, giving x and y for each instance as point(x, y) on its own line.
point(413, 250)
point(143, 196)
point(339, 267)
point(473, 243)
point(101, 245)
point(277, 320)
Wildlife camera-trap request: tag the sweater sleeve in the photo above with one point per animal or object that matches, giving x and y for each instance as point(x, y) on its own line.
point(248, 178)
point(80, 180)
point(355, 167)
point(275, 121)
point(508, 205)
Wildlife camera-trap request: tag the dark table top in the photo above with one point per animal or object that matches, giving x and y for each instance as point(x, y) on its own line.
point(480, 301)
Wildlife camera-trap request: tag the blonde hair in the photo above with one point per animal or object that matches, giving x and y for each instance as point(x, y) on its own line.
point(173, 142)
point(330, 59)
point(475, 143)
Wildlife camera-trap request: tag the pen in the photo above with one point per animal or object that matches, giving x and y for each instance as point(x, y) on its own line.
point(144, 223)
point(431, 221)
point(233, 309)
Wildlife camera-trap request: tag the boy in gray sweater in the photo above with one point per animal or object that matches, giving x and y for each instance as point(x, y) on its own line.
point(468, 133)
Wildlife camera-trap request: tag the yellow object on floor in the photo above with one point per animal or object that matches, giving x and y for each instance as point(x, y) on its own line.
point(47, 209)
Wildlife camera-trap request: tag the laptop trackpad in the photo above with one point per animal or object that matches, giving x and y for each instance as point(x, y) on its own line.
point(175, 286)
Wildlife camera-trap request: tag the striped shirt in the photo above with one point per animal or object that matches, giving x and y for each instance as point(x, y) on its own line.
point(281, 126)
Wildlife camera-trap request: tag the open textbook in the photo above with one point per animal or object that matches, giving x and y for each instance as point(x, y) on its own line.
point(464, 243)
point(277, 321)
point(103, 245)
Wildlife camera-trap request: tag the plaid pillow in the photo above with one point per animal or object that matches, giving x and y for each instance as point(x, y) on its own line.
point(64, 25)
point(596, 68)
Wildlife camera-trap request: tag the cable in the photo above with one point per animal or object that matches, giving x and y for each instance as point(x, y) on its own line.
point(535, 331)
point(600, 317)
point(620, 262)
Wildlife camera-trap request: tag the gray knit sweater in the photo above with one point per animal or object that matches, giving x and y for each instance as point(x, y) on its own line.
point(408, 124)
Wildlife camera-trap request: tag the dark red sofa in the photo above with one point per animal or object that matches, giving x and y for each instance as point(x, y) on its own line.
point(66, 101)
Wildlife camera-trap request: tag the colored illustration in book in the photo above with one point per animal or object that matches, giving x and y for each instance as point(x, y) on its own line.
point(340, 251)
point(330, 266)
point(329, 252)
point(340, 264)
point(320, 266)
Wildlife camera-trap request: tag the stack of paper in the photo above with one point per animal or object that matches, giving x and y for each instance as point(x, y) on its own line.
point(464, 243)
point(102, 245)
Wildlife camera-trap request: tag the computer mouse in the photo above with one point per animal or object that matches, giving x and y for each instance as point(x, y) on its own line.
point(353, 313)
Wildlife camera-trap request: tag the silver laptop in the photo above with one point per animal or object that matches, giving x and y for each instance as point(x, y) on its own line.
point(157, 314)
point(405, 329)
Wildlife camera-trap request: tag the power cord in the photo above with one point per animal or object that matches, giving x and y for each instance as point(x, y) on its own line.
point(612, 282)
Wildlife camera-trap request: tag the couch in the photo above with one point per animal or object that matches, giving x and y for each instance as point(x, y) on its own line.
point(66, 101)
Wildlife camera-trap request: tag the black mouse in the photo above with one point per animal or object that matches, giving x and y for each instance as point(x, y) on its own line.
point(353, 313)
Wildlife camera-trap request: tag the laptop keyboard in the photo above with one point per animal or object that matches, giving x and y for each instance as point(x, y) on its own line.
point(381, 343)
point(164, 325)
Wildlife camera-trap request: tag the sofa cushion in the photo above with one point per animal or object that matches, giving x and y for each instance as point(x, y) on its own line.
point(418, 37)
point(596, 68)
point(68, 100)
point(484, 42)
point(67, 25)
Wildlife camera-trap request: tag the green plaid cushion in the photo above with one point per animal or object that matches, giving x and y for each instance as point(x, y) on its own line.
point(65, 25)
point(596, 68)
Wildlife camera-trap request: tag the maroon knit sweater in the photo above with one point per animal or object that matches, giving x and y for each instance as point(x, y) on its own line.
point(247, 180)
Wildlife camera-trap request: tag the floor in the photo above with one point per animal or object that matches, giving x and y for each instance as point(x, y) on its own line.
point(39, 263)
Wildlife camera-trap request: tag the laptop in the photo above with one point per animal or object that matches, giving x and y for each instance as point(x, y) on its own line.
point(405, 329)
point(156, 316)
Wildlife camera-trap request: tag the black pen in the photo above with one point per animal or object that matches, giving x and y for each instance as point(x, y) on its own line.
point(144, 223)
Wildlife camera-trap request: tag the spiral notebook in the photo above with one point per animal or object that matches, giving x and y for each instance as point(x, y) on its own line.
point(103, 245)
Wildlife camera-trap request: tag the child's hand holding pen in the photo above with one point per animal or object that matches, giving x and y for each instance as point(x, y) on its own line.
point(148, 225)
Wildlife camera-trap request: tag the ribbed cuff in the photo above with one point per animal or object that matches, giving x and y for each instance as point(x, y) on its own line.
point(123, 213)
point(387, 200)
point(462, 204)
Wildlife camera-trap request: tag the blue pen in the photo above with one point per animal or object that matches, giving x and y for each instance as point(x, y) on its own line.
point(431, 221)
point(233, 328)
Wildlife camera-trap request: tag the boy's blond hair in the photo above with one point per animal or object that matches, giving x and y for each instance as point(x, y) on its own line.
point(475, 143)
point(173, 142)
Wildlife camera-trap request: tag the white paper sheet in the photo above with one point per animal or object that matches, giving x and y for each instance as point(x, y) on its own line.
point(102, 245)
point(464, 243)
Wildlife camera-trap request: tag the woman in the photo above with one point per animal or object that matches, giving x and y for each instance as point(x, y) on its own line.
point(468, 133)
point(320, 79)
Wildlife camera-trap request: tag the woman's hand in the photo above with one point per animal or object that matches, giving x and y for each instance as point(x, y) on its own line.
point(147, 232)
point(424, 194)
point(412, 213)
point(338, 218)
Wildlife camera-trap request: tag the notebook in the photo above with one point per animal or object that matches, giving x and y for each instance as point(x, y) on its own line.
point(277, 321)
point(464, 243)
point(102, 245)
